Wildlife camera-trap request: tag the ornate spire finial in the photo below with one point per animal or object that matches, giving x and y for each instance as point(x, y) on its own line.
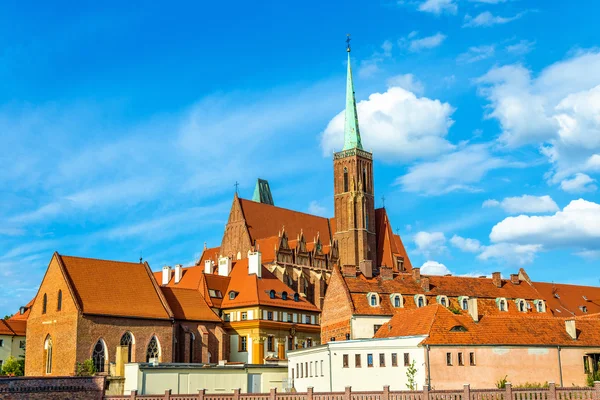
point(348, 43)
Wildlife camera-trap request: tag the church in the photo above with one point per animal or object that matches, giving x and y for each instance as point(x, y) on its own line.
point(279, 281)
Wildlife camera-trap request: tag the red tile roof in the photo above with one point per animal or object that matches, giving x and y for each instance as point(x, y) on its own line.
point(189, 305)
point(115, 288)
point(569, 299)
point(25, 315)
point(13, 327)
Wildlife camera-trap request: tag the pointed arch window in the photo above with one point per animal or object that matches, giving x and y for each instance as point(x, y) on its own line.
point(365, 186)
point(99, 356)
point(59, 301)
point(127, 340)
point(48, 350)
point(345, 179)
point(192, 341)
point(153, 350)
point(44, 303)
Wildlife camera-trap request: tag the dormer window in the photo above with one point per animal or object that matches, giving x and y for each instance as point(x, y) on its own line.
point(540, 306)
point(464, 302)
point(284, 295)
point(232, 295)
point(583, 309)
point(521, 305)
point(458, 328)
point(373, 299)
point(501, 303)
point(396, 300)
point(442, 300)
point(272, 294)
point(296, 297)
point(420, 300)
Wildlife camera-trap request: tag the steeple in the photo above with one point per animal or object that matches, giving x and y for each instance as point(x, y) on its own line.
point(351, 130)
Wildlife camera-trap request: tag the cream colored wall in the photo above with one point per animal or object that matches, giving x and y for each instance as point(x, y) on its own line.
point(362, 326)
point(11, 347)
point(519, 364)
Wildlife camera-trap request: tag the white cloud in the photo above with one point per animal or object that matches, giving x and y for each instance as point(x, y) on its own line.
point(476, 53)
point(439, 6)
point(407, 82)
point(510, 252)
point(524, 204)
point(396, 125)
point(578, 184)
point(460, 170)
point(429, 42)
point(371, 65)
point(576, 226)
point(520, 48)
point(466, 244)
point(487, 19)
point(430, 242)
point(315, 208)
point(434, 268)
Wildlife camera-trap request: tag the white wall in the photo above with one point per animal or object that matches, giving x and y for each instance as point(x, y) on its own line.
point(362, 326)
point(335, 377)
point(10, 347)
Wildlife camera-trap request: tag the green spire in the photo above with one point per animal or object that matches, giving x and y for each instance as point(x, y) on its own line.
point(351, 130)
point(262, 192)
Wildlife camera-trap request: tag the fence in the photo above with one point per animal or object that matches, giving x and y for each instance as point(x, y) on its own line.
point(551, 393)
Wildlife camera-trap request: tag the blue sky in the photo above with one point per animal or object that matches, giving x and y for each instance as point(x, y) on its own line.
point(123, 127)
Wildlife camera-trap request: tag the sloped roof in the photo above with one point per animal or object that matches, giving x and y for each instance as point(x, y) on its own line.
point(188, 304)
point(18, 316)
point(264, 220)
point(209, 254)
point(190, 277)
point(11, 326)
point(115, 288)
point(570, 298)
point(254, 291)
point(438, 322)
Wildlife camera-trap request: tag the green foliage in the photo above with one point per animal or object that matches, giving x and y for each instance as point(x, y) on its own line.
point(411, 373)
point(13, 367)
point(501, 383)
point(454, 310)
point(532, 385)
point(8, 316)
point(592, 376)
point(85, 368)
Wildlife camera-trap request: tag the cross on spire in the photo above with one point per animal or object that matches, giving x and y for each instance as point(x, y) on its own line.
point(348, 43)
point(383, 201)
point(236, 184)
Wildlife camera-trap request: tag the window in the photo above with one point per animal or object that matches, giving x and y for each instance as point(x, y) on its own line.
point(420, 300)
point(442, 300)
point(44, 303)
point(59, 301)
point(357, 361)
point(215, 293)
point(449, 359)
point(270, 343)
point(460, 359)
point(376, 328)
point(306, 369)
point(243, 344)
point(153, 350)
point(99, 356)
point(309, 342)
point(322, 368)
point(296, 297)
point(22, 344)
point(290, 317)
point(364, 179)
point(272, 294)
point(270, 315)
point(345, 179)
point(397, 300)
point(127, 340)
point(1, 342)
point(521, 305)
point(394, 360)
point(583, 309)
point(381, 359)
point(48, 348)
point(472, 359)
point(284, 295)
point(347, 336)
point(369, 360)
point(539, 305)
point(227, 318)
point(244, 315)
point(232, 295)
point(345, 360)
point(586, 365)
point(290, 343)
point(310, 369)
point(406, 359)
point(373, 299)
point(297, 371)
point(501, 303)
point(307, 319)
point(465, 304)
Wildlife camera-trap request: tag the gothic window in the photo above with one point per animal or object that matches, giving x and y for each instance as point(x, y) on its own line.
point(48, 349)
point(192, 340)
point(153, 350)
point(99, 356)
point(59, 301)
point(345, 179)
point(365, 179)
point(44, 303)
point(366, 218)
point(127, 340)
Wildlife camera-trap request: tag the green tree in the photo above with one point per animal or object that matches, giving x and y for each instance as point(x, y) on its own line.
point(8, 316)
point(13, 367)
point(85, 368)
point(411, 373)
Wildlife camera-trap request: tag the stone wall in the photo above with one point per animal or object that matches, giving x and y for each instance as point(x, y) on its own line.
point(52, 388)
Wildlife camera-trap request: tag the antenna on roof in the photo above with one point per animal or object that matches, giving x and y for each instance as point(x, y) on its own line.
point(383, 201)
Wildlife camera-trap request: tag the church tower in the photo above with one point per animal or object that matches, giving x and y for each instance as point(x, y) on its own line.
point(353, 191)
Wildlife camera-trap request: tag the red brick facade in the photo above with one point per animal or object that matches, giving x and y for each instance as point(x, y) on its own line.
point(337, 310)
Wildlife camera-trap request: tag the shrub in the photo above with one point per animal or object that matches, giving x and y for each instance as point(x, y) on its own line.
point(85, 368)
point(501, 383)
point(592, 376)
point(13, 367)
point(532, 385)
point(411, 373)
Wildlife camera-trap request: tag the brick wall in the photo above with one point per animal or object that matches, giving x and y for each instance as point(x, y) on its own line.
point(52, 388)
point(337, 310)
point(208, 339)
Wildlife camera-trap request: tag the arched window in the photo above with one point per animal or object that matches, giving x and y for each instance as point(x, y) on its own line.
point(345, 179)
point(365, 179)
point(48, 350)
point(272, 294)
point(153, 350)
point(99, 356)
point(443, 301)
point(465, 304)
point(397, 301)
point(502, 305)
point(366, 218)
point(59, 301)
point(420, 300)
point(373, 300)
point(296, 297)
point(522, 306)
point(127, 340)
point(192, 340)
point(44, 303)
point(540, 306)
point(284, 295)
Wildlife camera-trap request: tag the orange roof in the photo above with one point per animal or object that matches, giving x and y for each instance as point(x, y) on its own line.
point(115, 288)
point(445, 328)
point(18, 316)
point(264, 220)
point(566, 300)
point(190, 278)
point(13, 327)
point(217, 284)
point(254, 291)
point(209, 254)
point(189, 305)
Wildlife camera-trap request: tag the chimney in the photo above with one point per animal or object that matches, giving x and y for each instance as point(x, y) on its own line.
point(514, 278)
point(166, 276)
point(416, 272)
point(497, 279)
point(208, 267)
point(224, 266)
point(571, 329)
point(472, 308)
point(366, 267)
point(349, 271)
point(425, 284)
point(386, 273)
point(178, 272)
point(255, 263)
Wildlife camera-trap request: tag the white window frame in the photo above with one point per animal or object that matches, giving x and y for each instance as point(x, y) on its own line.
point(442, 297)
point(372, 295)
point(420, 296)
point(393, 298)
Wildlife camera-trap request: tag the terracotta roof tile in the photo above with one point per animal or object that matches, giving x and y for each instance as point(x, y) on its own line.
point(209, 254)
point(571, 298)
point(115, 288)
point(188, 304)
point(25, 315)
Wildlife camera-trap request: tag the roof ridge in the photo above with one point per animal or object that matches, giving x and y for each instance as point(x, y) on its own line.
point(100, 259)
point(158, 291)
point(283, 208)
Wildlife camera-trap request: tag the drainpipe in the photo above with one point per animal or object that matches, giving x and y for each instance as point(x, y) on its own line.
point(330, 369)
point(560, 367)
point(428, 368)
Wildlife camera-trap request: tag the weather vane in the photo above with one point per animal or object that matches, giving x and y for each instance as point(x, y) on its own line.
point(348, 42)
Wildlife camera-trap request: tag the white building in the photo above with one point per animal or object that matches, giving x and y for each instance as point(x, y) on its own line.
point(365, 364)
